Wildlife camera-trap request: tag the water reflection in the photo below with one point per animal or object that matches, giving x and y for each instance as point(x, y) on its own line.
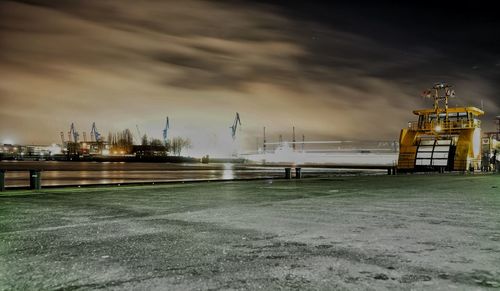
point(228, 172)
point(84, 173)
point(85, 177)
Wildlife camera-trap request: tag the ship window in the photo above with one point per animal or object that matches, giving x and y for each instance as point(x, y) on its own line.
point(457, 116)
point(440, 117)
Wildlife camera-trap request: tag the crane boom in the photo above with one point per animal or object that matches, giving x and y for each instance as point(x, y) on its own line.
point(73, 133)
point(165, 130)
point(94, 134)
point(234, 127)
point(138, 131)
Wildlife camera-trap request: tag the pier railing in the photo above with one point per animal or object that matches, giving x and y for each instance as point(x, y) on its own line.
point(35, 179)
point(290, 171)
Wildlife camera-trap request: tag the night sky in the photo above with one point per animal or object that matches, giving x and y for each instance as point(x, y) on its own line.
point(335, 71)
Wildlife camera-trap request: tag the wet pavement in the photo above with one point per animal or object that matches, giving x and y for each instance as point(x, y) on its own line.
point(366, 232)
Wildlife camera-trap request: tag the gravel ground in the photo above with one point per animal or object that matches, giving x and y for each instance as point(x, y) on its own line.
point(365, 233)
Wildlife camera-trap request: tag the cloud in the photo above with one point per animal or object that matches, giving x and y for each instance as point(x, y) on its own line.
point(122, 63)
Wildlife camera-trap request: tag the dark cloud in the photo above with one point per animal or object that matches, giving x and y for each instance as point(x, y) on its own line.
point(333, 71)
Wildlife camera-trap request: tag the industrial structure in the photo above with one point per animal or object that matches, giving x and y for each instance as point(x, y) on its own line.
point(234, 127)
point(95, 136)
point(74, 147)
point(490, 147)
point(118, 145)
point(443, 138)
point(165, 131)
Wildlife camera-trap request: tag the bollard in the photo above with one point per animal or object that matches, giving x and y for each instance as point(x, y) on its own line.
point(2, 180)
point(298, 173)
point(288, 173)
point(389, 171)
point(35, 179)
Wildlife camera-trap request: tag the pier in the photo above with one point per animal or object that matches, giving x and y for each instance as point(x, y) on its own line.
point(268, 234)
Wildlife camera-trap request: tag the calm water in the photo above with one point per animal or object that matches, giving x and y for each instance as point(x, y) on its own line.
point(79, 173)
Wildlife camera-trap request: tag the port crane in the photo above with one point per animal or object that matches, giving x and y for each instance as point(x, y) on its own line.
point(94, 134)
point(139, 136)
point(73, 133)
point(234, 127)
point(165, 130)
point(62, 138)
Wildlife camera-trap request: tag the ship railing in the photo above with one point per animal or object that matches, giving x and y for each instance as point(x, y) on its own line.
point(443, 125)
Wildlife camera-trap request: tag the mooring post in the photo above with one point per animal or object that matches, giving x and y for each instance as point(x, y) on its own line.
point(2, 180)
point(288, 173)
point(389, 171)
point(298, 173)
point(35, 179)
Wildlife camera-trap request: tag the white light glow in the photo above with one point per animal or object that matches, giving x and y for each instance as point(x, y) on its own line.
point(285, 154)
point(54, 149)
point(228, 172)
point(476, 143)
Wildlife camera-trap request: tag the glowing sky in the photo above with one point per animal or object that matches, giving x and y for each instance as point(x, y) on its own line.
point(333, 71)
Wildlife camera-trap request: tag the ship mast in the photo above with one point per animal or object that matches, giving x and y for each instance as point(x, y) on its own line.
point(440, 92)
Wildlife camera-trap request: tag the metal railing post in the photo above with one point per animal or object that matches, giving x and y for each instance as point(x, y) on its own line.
point(298, 173)
point(35, 179)
point(2, 180)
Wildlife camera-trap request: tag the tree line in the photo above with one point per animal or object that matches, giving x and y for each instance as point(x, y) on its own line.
point(123, 141)
point(174, 145)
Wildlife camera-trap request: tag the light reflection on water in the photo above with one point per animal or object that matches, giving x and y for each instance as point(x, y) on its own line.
point(50, 178)
point(102, 173)
point(228, 172)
